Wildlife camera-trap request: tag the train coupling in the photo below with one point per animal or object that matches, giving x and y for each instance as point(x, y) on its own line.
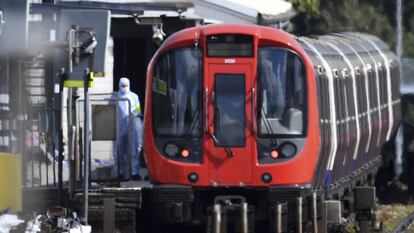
point(231, 214)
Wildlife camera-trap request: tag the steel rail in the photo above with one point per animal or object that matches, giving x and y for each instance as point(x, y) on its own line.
point(404, 224)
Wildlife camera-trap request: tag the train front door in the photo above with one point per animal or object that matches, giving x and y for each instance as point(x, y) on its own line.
point(228, 145)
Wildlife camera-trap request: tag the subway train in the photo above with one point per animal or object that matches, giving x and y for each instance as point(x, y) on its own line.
point(248, 127)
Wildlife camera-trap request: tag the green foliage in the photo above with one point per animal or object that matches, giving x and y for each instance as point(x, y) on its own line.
point(308, 7)
point(375, 17)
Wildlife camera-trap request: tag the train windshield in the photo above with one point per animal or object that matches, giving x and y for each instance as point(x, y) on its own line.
point(281, 79)
point(176, 98)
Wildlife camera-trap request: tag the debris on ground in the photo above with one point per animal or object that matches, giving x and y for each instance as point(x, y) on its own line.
point(57, 220)
point(8, 221)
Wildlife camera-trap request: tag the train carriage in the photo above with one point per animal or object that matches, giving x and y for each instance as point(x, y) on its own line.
point(250, 116)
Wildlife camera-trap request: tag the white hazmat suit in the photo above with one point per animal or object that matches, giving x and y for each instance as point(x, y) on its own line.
point(129, 123)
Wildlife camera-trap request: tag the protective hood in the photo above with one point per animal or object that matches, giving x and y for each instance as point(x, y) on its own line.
point(124, 86)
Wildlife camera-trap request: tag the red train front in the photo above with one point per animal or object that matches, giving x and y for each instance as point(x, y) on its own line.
point(233, 118)
point(217, 118)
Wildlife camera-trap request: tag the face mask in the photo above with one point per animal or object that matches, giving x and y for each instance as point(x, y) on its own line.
point(124, 90)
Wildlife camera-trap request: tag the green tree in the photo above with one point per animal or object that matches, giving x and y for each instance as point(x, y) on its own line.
point(375, 17)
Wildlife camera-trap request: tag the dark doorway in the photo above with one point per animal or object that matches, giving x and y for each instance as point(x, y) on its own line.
point(130, 61)
point(134, 48)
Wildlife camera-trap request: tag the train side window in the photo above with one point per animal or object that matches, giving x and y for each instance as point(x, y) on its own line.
point(385, 85)
point(319, 81)
point(344, 102)
point(363, 93)
point(350, 94)
point(381, 84)
point(395, 80)
point(327, 105)
point(348, 100)
point(358, 94)
point(328, 101)
point(371, 89)
point(392, 73)
point(328, 98)
point(336, 96)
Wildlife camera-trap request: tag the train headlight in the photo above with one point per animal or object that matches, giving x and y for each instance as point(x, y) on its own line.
point(288, 149)
point(171, 149)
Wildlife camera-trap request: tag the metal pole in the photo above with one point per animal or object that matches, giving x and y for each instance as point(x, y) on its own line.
point(60, 141)
point(314, 213)
point(130, 148)
point(71, 131)
point(278, 218)
point(245, 218)
point(70, 138)
point(47, 144)
point(86, 146)
point(54, 130)
point(39, 120)
point(399, 29)
point(399, 140)
point(31, 151)
point(118, 150)
point(299, 219)
point(21, 113)
point(217, 218)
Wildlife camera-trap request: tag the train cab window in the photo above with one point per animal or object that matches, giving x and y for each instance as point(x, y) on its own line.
point(230, 108)
point(281, 80)
point(176, 98)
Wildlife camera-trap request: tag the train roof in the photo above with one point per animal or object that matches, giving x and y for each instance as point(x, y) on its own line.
point(263, 33)
point(347, 42)
point(360, 42)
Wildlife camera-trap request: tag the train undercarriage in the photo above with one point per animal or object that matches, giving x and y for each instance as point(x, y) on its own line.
point(344, 205)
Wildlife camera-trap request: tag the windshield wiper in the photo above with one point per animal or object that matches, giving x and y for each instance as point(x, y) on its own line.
point(188, 133)
point(222, 141)
point(266, 122)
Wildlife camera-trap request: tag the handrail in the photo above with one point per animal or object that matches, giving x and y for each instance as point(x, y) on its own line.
point(206, 112)
point(253, 109)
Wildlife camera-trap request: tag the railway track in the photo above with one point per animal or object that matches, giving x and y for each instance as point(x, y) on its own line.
point(404, 224)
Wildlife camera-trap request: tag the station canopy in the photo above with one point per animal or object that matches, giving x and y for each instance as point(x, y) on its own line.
point(265, 12)
point(170, 3)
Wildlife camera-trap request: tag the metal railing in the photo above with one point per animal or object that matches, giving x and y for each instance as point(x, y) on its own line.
point(40, 158)
point(98, 102)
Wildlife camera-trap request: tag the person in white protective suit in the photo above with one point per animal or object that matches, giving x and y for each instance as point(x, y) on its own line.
point(129, 123)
